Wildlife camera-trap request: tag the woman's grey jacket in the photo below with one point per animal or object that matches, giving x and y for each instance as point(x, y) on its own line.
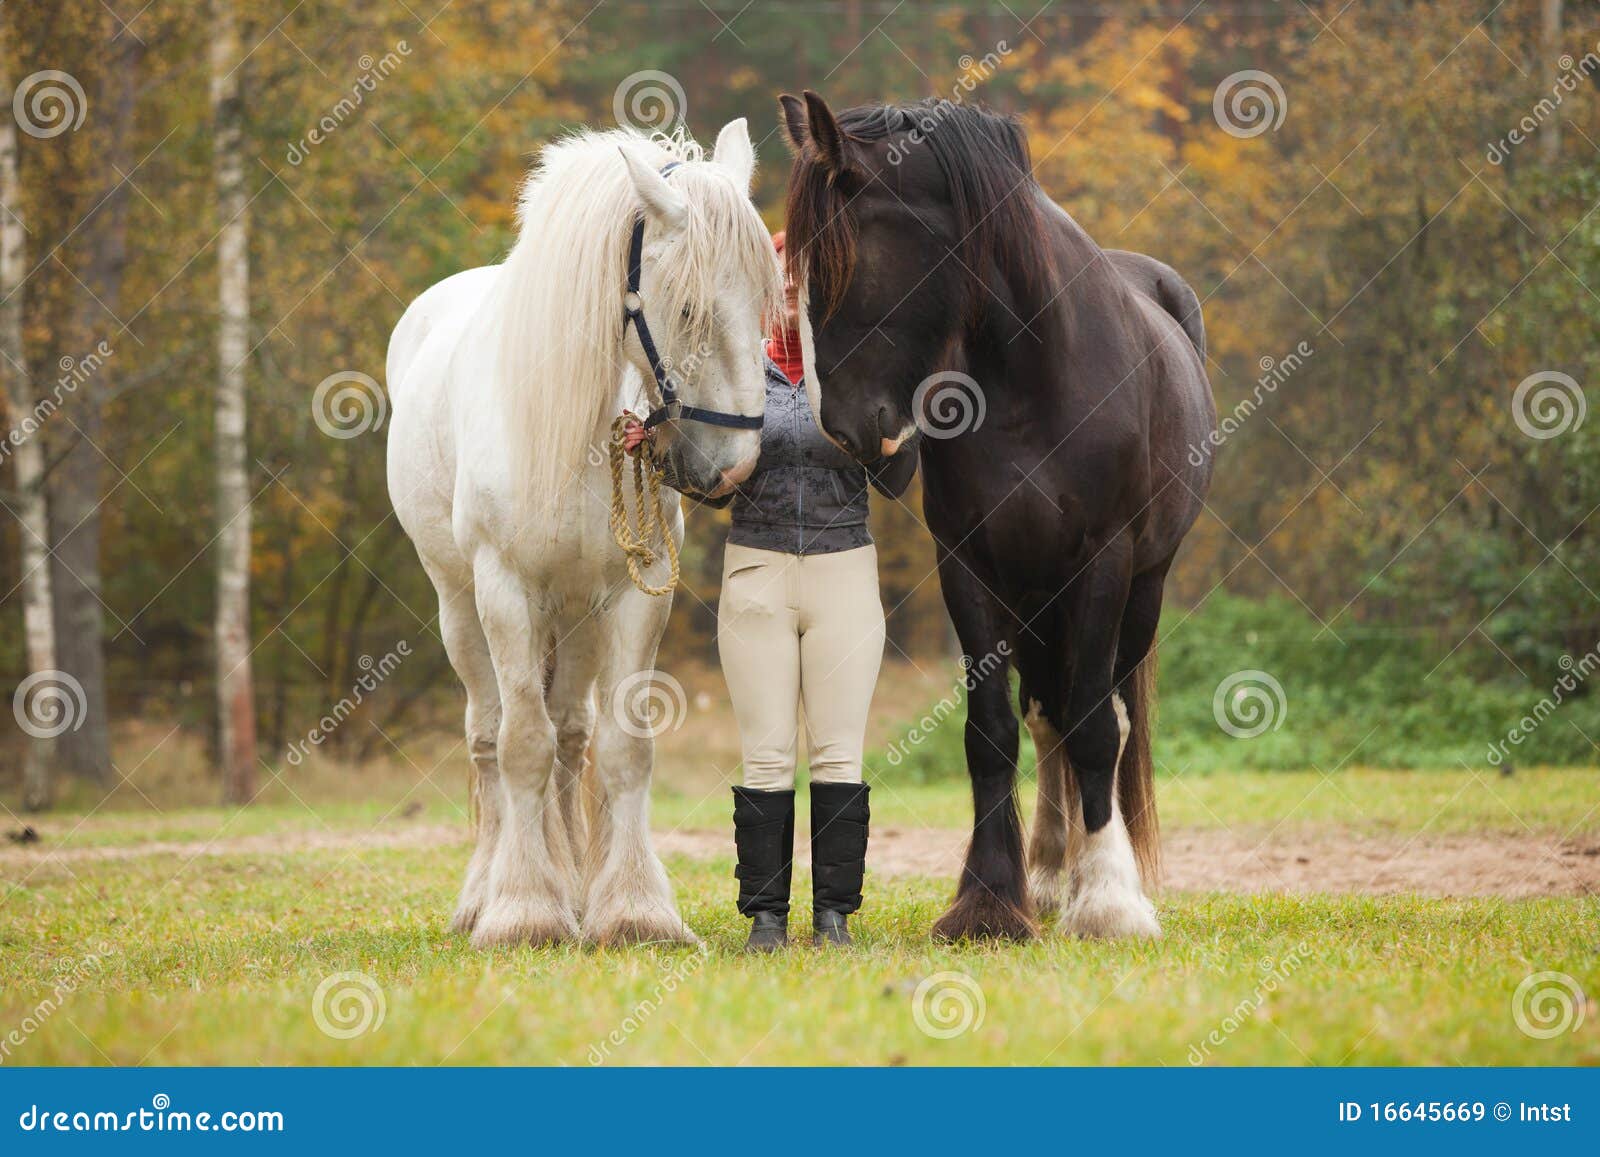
point(807, 496)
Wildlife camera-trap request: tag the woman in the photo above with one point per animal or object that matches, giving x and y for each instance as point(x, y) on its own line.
point(800, 622)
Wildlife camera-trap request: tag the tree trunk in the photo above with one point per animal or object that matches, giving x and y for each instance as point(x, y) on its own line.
point(27, 456)
point(235, 689)
point(74, 484)
point(1550, 48)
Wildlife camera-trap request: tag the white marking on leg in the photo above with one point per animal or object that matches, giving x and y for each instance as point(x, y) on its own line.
point(1108, 901)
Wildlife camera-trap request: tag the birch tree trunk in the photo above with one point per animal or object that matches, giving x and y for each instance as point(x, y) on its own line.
point(27, 455)
point(235, 688)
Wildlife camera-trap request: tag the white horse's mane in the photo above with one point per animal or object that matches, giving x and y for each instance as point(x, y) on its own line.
point(559, 301)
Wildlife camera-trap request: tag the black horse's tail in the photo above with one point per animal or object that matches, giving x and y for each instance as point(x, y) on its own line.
point(1136, 787)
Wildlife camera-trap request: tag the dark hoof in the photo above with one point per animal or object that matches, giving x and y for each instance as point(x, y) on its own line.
point(979, 914)
point(830, 928)
point(769, 932)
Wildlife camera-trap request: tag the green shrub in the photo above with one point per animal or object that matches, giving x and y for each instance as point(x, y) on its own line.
point(1366, 698)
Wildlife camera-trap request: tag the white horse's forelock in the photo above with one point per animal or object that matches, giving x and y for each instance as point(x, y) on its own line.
point(560, 297)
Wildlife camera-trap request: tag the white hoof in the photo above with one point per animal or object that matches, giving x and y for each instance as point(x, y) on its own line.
point(509, 922)
point(1110, 912)
point(615, 919)
point(465, 918)
point(1108, 902)
point(475, 889)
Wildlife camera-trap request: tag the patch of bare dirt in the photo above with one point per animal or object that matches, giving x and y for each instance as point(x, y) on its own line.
point(1196, 859)
point(41, 855)
point(1207, 860)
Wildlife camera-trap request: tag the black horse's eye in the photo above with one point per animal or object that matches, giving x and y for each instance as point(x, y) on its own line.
point(686, 313)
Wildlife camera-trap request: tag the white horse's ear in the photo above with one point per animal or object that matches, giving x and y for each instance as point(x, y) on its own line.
point(660, 201)
point(735, 153)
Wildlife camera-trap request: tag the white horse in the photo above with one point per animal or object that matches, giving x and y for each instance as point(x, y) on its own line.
point(503, 384)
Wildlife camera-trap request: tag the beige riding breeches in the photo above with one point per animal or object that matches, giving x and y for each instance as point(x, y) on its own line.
point(799, 631)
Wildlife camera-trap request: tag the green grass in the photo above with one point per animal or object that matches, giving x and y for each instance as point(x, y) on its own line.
point(219, 964)
point(1559, 801)
point(215, 959)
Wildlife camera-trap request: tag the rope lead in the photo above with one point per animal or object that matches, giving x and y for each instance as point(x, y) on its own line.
point(635, 538)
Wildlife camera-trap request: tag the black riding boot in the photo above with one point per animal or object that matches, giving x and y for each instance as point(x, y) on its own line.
point(763, 832)
point(838, 857)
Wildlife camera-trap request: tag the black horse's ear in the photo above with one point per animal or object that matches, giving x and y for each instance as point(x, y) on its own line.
point(794, 120)
point(826, 136)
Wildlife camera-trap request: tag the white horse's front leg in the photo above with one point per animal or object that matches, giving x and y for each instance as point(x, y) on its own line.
point(571, 705)
point(628, 897)
point(529, 896)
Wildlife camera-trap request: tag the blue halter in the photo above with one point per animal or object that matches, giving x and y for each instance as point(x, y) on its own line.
point(633, 311)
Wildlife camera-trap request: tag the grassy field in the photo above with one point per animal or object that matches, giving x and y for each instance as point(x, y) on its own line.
point(1561, 801)
point(153, 955)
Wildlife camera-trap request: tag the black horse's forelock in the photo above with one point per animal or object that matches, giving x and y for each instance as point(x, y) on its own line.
point(983, 157)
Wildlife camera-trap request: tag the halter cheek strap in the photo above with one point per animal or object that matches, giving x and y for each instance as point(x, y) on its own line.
point(633, 312)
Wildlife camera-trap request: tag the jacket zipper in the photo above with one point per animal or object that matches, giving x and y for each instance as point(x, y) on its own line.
point(800, 478)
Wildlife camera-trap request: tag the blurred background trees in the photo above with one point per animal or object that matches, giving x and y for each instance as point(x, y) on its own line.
point(1381, 514)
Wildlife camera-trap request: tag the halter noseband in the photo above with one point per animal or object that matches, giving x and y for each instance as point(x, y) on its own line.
point(633, 311)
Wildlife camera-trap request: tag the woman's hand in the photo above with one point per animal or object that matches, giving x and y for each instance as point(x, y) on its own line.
point(634, 435)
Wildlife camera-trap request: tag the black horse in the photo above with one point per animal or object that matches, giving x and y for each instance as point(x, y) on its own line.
point(932, 261)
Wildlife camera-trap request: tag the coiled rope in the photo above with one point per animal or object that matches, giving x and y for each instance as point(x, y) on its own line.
point(636, 536)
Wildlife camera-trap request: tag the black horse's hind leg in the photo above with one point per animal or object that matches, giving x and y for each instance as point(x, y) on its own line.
point(1108, 900)
point(1140, 618)
point(991, 899)
point(1135, 682)
point(1057, 835)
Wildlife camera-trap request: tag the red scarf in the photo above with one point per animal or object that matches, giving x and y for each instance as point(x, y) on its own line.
point(783, 347)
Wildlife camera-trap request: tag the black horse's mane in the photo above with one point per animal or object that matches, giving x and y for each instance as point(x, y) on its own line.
point(983, 156)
